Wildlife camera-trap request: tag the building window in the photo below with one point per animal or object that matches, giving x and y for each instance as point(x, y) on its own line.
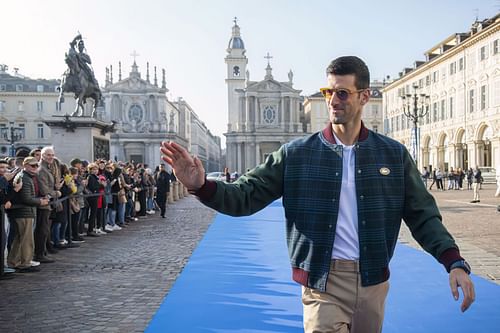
point(451, 107)
point(453, 68)
point(40, 131)
point(39, 88)
point(2, 106)
point(483, 97)
point(19, 87)
point(269, 114)
point(495, 46)
point(435, 76)
point(236, 71)
point(427, 80)
point(3, 131)
point(375, 128)
point(461, 64)
point(375, 110)
point(443, 109)
point(22, 131)
point(434, 111)
point(421, 83)
point(39, 106)
point(427, 115)
point(20, 106)
point(483, 54)
point(3, 87)
point(471, 100)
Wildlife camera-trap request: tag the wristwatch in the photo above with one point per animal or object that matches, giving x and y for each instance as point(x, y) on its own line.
point(461, 264)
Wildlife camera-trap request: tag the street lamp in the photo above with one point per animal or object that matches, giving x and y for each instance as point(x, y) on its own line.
point(12, 135)
point(414, 108)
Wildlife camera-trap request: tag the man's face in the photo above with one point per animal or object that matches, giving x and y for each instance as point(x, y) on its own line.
point(78, 166)
point(38, 155)
point(48, 156)
point(31, 168)
point(3, 169)
point(347, 111)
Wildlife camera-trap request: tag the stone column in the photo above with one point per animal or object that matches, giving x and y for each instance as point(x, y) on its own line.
point(180, 191)
point(176, 191)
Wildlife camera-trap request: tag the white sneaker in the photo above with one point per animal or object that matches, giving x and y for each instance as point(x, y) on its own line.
point(150, 212)
point(35, 263)
point(109, 227)
point(116, 227)
point(63, 242)
point(100, 232)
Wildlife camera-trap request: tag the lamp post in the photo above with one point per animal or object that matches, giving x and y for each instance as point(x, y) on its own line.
point(414, 108)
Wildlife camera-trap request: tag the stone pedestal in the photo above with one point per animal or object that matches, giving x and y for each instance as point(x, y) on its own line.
point(83, 137)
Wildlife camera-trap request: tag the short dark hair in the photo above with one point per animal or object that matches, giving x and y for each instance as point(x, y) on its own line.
point(34, 151)
point(351, 65)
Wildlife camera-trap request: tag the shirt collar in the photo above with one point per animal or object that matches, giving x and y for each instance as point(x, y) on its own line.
point(328, 133)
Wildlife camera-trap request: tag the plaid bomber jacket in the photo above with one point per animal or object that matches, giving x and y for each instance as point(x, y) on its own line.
point(307, 173)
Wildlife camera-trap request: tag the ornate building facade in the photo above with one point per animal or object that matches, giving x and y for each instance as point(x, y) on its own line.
point(144, 118)
point(460, 126)
point(24, 105)
point(262, 115)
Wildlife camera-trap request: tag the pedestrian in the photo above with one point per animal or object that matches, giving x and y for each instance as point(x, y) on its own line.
point(439, 179)
point(434, 179)
point(470, 176)
point(343, 211)
point(476, 178)
point(425, 176)
point(162, 188)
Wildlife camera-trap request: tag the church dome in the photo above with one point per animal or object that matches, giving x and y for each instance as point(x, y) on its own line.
point(236, 43)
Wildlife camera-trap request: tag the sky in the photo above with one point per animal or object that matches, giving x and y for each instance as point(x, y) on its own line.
point(189, 39)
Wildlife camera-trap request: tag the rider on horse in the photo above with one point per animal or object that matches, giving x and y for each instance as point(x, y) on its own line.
point(79, 61)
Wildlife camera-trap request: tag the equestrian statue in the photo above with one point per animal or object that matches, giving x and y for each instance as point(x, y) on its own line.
point(79, 78)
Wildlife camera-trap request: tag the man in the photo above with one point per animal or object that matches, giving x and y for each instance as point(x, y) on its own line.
point(47, 188)
point(37, 153)
point(345, 190)
point(6, 194)
point(22, 212)
point(162, 188)
point(476, 178)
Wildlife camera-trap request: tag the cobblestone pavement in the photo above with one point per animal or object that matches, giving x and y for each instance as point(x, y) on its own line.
point(114, 283)
point(475, 227)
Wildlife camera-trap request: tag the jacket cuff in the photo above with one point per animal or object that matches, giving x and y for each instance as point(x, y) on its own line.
point(207, 191)
point(449, 256)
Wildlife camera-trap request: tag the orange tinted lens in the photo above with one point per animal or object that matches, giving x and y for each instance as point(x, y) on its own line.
point(327, 93)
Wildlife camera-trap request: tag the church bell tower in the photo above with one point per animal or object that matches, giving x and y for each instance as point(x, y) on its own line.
point(236, 63)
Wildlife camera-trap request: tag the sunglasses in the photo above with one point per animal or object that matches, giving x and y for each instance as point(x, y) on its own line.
point(341, 93)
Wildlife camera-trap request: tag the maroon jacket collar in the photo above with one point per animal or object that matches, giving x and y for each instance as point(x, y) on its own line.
point(328, 133)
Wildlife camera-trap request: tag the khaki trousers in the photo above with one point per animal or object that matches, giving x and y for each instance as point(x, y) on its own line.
point(21, 251)
point(346, 306)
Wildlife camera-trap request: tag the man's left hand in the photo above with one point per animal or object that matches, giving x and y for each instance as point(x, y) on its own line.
point(459, 278)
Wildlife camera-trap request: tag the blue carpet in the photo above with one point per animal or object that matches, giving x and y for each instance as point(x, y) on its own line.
point(239, 280)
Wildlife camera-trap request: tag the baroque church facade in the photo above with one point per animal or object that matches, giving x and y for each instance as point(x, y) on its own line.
point(144, 117)
point(262, 115)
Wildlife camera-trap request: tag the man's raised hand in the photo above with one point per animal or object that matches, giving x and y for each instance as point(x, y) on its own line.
point(188, 170)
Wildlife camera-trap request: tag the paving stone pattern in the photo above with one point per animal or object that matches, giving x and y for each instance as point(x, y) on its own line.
point(114, 283)
point(475, 227)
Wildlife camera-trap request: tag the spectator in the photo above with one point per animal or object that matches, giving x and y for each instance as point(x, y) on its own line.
point(6, 194)
point(37, 153)
point(94, 186)
point(22, 212)
point(162, 189)
point(47, 189)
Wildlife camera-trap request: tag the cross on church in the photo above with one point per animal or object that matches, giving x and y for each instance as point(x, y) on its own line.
point(268, 57)
point(134, 54)
point(235, 20)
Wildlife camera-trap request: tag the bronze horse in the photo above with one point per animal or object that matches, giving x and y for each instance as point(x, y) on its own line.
point(83, 88)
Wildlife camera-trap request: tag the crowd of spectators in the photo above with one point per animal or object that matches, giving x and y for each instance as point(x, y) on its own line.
point(48, 206)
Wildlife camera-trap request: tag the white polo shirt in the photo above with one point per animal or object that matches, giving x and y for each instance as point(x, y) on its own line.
point(346, 244)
